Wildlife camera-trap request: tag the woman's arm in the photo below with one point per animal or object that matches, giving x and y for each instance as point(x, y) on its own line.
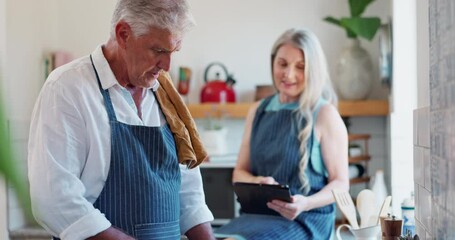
point(332, 134)
point(242, 172)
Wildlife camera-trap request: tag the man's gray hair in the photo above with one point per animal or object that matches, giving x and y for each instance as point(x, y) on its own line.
point(171, 15)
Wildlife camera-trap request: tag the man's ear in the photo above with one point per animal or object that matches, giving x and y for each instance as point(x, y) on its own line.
point(122, 33)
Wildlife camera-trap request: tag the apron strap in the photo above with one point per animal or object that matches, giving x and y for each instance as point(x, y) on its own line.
point(106, 96)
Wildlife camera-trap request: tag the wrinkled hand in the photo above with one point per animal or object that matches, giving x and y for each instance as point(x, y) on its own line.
point(289, 210)
point(265, 180)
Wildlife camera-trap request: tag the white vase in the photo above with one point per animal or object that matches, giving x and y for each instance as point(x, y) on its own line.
point(354, 72)
point(379, 188)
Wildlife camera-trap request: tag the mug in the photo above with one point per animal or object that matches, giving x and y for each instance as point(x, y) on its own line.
point(367, 233)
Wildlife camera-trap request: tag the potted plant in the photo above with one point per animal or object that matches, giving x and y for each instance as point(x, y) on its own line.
point(357, 26)
point(354, 68)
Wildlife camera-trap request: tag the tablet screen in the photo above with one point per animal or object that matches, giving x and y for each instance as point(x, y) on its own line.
point(253, 197)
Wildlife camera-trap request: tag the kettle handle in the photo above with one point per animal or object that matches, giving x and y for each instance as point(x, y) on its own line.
point(213, 64)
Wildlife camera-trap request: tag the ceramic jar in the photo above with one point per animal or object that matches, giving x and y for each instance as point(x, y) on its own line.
point(354, 72)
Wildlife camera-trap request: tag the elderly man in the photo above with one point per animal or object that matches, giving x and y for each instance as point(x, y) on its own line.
point(102, 160)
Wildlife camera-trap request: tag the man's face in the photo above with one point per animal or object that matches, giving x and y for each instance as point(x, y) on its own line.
point(147, 55)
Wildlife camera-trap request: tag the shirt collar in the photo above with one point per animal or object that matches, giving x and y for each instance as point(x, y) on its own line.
point(107, 77)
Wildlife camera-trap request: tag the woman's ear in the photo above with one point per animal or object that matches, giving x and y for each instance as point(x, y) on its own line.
point(122, 33)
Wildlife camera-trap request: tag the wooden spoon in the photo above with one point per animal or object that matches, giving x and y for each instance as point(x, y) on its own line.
point(366, 206)
point(384, 208)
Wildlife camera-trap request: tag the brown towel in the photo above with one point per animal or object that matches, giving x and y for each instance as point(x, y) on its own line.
point(190, 150)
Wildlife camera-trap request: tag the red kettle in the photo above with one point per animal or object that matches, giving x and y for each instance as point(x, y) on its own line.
point(218, 91)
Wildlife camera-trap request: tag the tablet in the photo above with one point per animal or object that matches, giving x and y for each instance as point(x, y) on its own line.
point(253, 197)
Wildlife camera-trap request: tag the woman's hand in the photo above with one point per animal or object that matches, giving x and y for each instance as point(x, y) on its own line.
point(290, 210)
point(265, 180)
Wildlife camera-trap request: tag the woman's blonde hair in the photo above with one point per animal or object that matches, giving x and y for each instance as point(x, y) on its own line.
point(317, 85)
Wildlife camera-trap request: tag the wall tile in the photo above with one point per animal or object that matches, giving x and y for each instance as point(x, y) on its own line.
point(415, 125)
point(424, 127)
point(417, 203)
point(427, 168)
point(420, 230)
point(425, 205)
point(419, 166)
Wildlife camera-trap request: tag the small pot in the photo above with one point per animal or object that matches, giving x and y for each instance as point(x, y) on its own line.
point(263, 91)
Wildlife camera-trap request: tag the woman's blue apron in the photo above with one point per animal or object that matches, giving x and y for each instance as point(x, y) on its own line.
point(141, 192)
point(275, 152)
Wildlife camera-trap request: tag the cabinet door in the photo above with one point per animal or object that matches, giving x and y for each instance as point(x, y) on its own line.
point(219, 193)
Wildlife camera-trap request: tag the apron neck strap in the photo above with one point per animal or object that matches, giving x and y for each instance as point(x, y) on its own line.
point(106, 96)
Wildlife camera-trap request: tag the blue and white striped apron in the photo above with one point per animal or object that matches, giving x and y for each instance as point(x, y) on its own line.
point(275, 152)
point(141, 193)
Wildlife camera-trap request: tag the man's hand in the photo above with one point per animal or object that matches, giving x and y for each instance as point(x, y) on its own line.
point(202, 231)
point(111, 234)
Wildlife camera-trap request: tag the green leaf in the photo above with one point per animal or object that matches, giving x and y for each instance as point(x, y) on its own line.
point(363, 27)
point(8, 165)
point(333, 20)
point(357, 7)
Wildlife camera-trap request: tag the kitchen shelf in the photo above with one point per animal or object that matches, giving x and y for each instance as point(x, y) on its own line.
point(355, 137)
point(359, 159)
point(232, 110)
point(365, 108)
point(359, 180)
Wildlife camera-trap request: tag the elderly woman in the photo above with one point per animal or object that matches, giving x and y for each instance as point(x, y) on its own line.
point(295, 137)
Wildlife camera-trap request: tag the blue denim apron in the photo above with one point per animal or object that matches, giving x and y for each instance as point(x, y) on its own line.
point(141, 192)
point(275, 152)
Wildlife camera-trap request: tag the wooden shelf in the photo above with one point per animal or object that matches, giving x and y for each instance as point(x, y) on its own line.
point(367, 108)
point(355, 137)
point(232, 110)
point(359, 159)
point(359, 180)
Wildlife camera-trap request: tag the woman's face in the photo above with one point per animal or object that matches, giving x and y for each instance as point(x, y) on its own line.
point(288, 73)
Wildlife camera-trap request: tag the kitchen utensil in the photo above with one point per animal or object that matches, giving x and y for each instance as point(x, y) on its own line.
point(368, 233)
point(346, 205)
point(218, 91)
point(366, 206)
point(384, 208)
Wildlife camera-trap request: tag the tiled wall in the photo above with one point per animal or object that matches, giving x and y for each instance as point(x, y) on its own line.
point(434, 134)
point(422, 173)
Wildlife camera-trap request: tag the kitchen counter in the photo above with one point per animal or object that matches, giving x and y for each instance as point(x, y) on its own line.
point(37, 233)
point(30, 233)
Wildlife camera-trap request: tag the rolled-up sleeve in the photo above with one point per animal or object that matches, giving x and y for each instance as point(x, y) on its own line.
point(193, 209)
point(56, 159)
